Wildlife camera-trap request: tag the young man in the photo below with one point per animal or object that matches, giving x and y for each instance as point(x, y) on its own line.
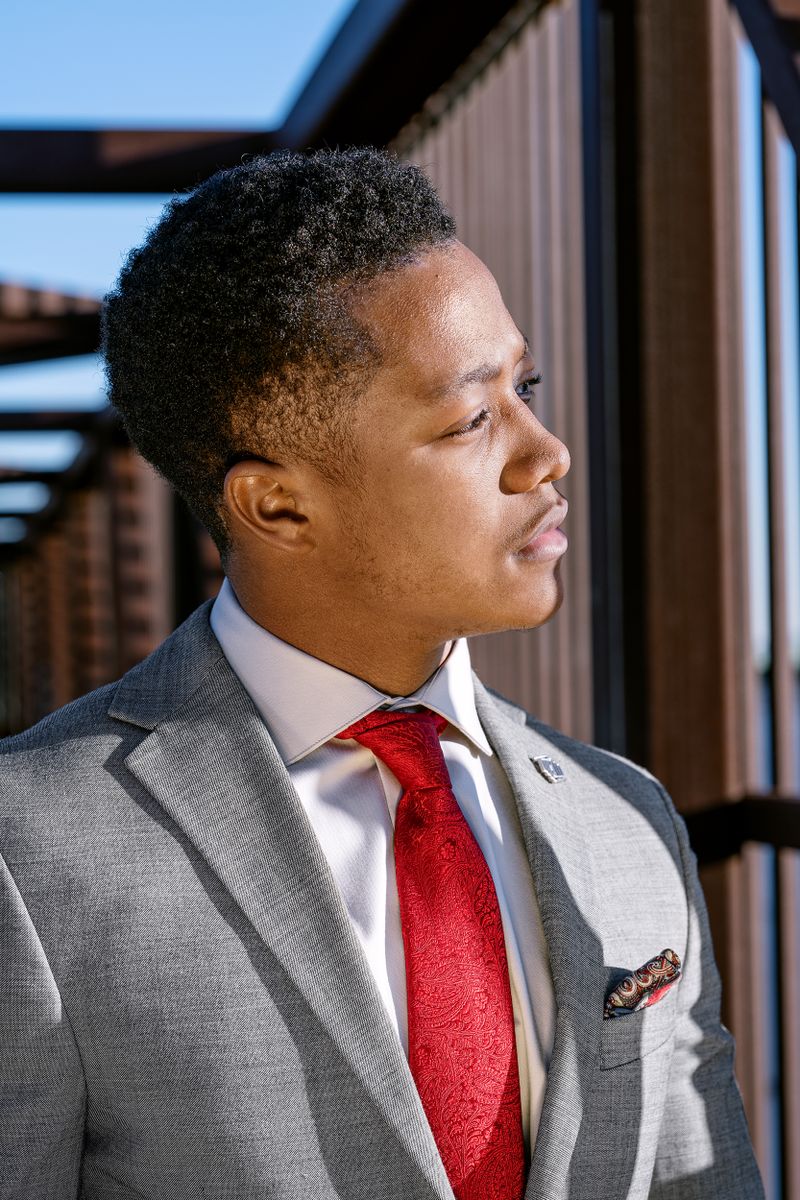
point(297, 908)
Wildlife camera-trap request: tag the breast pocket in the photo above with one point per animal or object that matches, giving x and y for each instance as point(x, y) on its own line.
point(625, 1039)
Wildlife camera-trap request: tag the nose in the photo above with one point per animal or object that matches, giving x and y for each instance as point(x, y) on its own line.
point(540, 457)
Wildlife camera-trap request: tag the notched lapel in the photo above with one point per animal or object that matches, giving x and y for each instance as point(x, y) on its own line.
point(213, 767)
point(561, 863)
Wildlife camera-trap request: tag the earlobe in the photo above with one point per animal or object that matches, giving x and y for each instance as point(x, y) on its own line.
point(264, 505)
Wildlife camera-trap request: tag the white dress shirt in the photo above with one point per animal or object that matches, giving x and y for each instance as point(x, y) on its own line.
point(351, 798)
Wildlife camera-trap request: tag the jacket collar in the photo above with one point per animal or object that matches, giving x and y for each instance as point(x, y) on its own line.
point(161, 683)
point(305, 701)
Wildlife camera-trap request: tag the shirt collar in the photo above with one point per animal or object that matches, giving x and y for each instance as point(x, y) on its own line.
point(305, 701)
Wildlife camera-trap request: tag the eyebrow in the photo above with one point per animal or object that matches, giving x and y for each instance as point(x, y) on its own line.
point(485, 373)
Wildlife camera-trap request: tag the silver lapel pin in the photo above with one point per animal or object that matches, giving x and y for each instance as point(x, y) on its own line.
point(552, 771)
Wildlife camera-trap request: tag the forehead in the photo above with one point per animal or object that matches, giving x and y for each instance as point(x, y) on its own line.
point(438, 316)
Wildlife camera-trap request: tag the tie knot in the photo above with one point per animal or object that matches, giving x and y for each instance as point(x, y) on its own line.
point(408, 742)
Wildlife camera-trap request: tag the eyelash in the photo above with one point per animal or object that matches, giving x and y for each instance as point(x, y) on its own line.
point(533, 381)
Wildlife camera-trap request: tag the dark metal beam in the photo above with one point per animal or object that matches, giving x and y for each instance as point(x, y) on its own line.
point(82, 472)
point(39, 516)
point(35, 338)
point(127, 161)
point(387, 59)
point(718, 833)
point(383, 64)
point(607, 625)
point(625, 481)
point(66, 477)
point(789, 29)
point(36, 475)
point(368, 25)
point(780, 77)
point(93, 419)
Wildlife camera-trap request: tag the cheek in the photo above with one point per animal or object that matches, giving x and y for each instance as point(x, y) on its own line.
point(427, 511)
point(452, 491)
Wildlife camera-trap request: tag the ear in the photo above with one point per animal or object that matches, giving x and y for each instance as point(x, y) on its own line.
point(268, 501)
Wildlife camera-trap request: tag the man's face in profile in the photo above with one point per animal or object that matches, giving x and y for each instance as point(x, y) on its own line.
point(457, 475)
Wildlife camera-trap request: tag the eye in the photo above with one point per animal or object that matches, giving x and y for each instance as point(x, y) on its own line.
point(484, 414)
point(476, 423)
point(530, 384)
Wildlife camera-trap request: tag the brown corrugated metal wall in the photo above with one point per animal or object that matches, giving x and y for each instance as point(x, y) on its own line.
point(722, 699)
point(93, 596)
point(506, 157)
point(784, 494)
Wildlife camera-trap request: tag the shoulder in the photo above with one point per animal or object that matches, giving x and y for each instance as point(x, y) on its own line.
point(62, 775)
point(142, 696)
point(612, 788)
point(599, 761)
point(83, 718)
point(58, 794)
point(56, 770)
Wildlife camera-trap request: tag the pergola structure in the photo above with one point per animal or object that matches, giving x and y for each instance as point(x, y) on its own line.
point(369, 57)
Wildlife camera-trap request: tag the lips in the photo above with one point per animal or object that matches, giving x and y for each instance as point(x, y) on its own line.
point(551, 520)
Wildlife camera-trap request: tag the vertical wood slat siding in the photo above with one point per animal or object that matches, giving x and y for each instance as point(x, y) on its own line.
point(11, 679)
point(54, 553)
point(93, 597)
point(506, 158)
point(704, 684)
point(142, 507)
point(733, 927)
point(723, 883)
point(690, 330)
point(56, 646)
point(33, 643)
point(94, 630)
point(752, 873)
point(786, 752)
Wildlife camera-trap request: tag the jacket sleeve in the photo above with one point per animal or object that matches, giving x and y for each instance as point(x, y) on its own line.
point(704, 1148)
point(42, 1087)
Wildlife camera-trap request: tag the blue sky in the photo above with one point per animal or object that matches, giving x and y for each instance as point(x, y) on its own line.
point(148, 64)
point(75, 244)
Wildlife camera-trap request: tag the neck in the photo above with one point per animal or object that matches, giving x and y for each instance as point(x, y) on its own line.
point(392, 659)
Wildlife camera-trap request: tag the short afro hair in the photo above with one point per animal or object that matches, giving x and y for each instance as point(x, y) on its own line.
point(230, 332)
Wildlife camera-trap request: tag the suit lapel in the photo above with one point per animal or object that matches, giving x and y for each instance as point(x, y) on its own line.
point(212, 765)
point(561, 862)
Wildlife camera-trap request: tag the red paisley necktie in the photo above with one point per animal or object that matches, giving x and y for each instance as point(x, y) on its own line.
point(462, 1052)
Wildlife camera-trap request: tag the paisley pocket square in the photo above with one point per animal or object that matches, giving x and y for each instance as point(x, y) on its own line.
point(644, 986)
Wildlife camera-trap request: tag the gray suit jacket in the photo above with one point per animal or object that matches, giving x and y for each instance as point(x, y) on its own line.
point(185, 1010)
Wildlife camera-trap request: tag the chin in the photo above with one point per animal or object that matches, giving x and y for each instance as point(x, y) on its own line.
point(534, 620)
point(529, 615)
point(524, 616)
point(509, 607)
